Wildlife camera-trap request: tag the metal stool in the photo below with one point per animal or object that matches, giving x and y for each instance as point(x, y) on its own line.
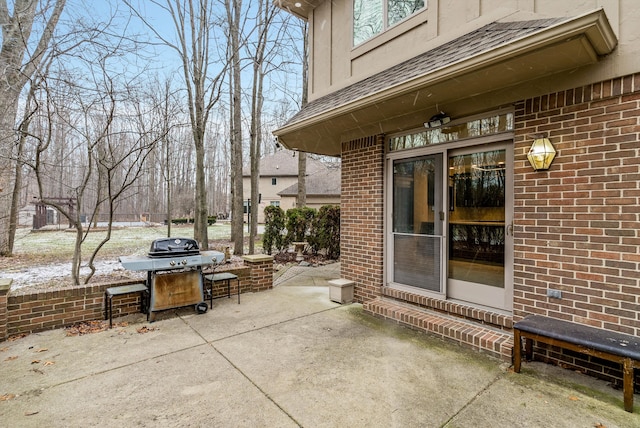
point(120, 291)
point(219, 277)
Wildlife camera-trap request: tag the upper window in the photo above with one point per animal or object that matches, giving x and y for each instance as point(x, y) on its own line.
point(372, 17)
point(274, 181)
point(489, 125)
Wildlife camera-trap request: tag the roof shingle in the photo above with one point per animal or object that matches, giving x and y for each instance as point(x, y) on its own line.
point(471, 44)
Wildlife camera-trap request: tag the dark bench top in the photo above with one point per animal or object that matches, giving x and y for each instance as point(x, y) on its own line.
point(125, 289)
point(221, 276)
point(579, 334)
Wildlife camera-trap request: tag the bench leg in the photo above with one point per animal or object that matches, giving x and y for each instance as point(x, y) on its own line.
point(528, 349)
point(627, 384)
point(517, 351)
point(110, 298)
point(238, 285)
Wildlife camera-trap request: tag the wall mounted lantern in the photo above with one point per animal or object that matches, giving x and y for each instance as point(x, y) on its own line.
point(541, 154)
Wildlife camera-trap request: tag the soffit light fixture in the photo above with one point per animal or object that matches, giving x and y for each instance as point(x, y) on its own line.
point(541, 154)
point(437, 120)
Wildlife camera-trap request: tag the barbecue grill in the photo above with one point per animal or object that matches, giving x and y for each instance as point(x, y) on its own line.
point(174, 272)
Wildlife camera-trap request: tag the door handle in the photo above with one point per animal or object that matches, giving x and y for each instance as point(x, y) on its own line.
point(509, 229)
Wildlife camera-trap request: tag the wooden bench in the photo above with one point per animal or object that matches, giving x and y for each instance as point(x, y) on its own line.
point(608, 345)
point(221, 277)
point(121, 291)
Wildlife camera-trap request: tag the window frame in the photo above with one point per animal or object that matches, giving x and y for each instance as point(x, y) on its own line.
point(385, 22)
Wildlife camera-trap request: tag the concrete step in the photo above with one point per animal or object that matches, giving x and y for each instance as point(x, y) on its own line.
point(495, 342)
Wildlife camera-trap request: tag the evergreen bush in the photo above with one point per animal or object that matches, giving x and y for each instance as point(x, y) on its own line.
point(273, 236)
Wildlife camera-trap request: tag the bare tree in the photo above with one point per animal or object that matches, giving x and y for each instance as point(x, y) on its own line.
point(20, 57)
point(264, 17)
point(234, 13)
point(302, 156)
point(194, 23)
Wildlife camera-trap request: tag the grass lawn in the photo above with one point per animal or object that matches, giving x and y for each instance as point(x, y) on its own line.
point(52, 246)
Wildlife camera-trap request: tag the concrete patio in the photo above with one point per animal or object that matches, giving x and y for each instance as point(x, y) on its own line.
point(286, 357)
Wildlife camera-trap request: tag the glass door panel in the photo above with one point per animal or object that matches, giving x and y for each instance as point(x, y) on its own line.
point(478, 214)
point(417, 222)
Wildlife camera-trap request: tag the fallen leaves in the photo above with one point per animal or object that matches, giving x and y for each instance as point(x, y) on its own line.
point(11, 358)
point(86, 327)
point(16, 337)
point(599, 425)
point(146, 329)
point(7, 397)
point(89, 327)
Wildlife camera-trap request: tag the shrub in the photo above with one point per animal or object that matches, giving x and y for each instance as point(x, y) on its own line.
point(326, 231)
point(273, 229)
point(299, 221)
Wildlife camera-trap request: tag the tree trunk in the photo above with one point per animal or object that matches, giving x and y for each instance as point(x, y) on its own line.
point(17, 65)
point(233, 15)
point(302, 157)
point(302, 180)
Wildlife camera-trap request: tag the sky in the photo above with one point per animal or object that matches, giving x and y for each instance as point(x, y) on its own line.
point(165, 60)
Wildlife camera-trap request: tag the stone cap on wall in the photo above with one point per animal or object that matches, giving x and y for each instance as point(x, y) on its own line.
point(5, 284)
point(257, 258)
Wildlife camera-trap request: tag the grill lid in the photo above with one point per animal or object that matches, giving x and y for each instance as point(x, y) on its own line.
point(169, 247)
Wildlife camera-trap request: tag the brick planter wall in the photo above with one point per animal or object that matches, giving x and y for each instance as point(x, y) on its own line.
point(29, 311)
point(5, 285)
point(577, 225)
point(361, 216)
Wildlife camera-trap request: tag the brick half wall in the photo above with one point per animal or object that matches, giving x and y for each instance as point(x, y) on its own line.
point(29, 311)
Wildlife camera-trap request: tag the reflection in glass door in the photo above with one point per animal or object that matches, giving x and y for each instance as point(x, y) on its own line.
point(477, 233)
point(417, 222)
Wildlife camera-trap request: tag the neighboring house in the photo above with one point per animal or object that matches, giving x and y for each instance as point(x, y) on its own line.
point(323, 188)
point(433, 111)
point(278, 172)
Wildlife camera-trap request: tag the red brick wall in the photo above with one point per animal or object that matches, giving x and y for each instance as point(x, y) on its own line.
point(261, 272)
point(361, 216)
point(30, 311)
point(577, 225)
point(4, 290)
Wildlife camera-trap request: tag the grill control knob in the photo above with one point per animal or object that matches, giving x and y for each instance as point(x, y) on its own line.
point(184, 262)
point(172, 263)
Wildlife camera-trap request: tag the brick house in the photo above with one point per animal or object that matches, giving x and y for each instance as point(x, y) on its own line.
point(433, 108)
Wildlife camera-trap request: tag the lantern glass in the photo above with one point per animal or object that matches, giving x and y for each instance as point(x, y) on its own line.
point(541, 154)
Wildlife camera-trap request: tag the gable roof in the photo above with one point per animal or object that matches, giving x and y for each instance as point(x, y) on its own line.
point(284, 163)
point(496, 56)
point(322, 183)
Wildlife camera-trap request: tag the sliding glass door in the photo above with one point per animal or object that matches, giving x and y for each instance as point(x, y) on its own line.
point(417, 218)
point(479, 226)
